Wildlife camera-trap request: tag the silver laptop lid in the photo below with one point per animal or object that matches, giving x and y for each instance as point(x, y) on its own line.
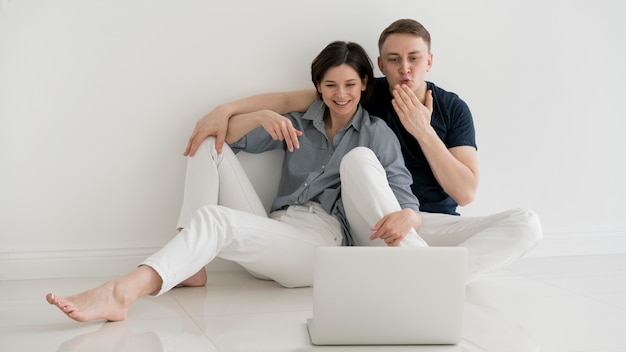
point(388, 295)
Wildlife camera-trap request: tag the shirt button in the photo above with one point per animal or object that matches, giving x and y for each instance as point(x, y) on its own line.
point(306, 185)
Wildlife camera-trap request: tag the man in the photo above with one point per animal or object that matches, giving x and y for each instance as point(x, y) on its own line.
point(436, 132)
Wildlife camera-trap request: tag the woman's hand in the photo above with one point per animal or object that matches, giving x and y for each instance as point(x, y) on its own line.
point(281, 128)
point(393, 227)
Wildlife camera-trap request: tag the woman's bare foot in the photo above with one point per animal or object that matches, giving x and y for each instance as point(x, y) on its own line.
point(103, 302)
point(111, 300)
point(196, 280)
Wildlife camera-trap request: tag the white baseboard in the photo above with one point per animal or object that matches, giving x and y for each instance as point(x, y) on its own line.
point(82, 263)
point(118, 261)
point(589, 243)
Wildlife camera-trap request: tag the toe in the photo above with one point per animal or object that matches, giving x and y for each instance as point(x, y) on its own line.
point(50, 298)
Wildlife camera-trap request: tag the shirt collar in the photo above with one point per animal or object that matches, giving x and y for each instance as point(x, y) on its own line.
point(315, 113)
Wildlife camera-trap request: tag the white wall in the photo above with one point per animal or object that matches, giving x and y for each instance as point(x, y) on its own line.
point(97, 100)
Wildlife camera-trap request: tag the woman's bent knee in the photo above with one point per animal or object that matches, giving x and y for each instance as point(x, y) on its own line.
point(356, 156)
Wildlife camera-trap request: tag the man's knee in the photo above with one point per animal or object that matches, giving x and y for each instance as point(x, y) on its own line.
point(530, 225)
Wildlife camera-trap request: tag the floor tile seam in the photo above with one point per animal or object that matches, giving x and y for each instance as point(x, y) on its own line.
point(606, 302)
point(547, 281)
point(592, 274)
point(503, 305)
point(217, 315)
point(180, 305)
point(598, 292)
point(599, 256)
point(205, 334)
point(574, 274)
point(525, 299)
point(543, 282)
point(42, 325)
point(197, 324)
point(76, 324)
point(473, 345)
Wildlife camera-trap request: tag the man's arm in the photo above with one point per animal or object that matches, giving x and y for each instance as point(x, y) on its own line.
point(456, 169)
point(215, 123)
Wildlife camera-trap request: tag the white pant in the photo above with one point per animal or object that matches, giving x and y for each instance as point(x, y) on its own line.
point(222, 216)
point(492, 241)
point(367, 197)
point(281, 247)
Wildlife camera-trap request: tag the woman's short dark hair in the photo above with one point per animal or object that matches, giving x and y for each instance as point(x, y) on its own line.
point(339, 53)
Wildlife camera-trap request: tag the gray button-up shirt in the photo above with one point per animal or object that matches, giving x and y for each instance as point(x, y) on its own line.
point(311, 173)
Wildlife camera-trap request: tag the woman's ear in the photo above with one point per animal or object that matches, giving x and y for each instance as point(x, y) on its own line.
point(364, 84)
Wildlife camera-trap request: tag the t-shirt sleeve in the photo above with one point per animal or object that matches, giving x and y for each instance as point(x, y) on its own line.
point(461, 131)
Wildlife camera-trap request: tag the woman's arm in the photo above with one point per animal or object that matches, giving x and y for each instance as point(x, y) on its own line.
point(216, 122)
point(278, 127)
point(394, 227)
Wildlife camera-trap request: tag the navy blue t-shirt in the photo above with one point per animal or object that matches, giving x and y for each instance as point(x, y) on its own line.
point(451, 119)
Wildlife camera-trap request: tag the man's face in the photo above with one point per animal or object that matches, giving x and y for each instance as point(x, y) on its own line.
point(405, 59)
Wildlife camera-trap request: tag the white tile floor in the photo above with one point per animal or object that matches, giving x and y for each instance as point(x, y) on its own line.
point(549, 304)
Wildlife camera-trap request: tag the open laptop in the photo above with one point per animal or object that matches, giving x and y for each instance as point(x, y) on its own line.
point(388, 296)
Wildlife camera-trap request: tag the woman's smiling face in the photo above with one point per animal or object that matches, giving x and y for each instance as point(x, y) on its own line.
point(341, 89)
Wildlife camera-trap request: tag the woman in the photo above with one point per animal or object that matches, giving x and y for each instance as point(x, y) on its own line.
point(343, 169)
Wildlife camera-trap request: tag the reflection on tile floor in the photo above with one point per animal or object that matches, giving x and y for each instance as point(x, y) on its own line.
point(553, 304)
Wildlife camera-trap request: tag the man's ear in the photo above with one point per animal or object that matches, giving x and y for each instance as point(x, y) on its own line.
point(380, 65)
point(430, 61)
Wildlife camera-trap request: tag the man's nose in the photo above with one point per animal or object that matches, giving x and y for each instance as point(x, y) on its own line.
point(405, 67)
